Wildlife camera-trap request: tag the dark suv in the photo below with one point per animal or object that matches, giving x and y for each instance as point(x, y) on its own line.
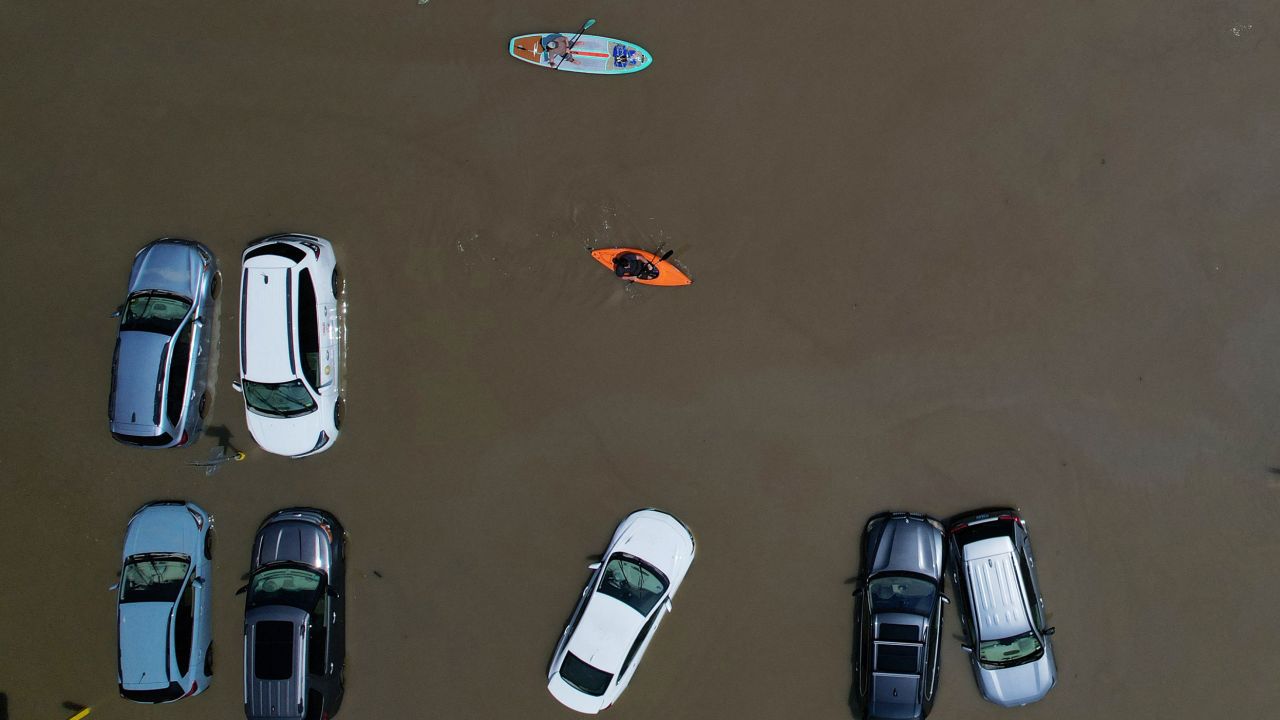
point(899, 617)
point(294, 622)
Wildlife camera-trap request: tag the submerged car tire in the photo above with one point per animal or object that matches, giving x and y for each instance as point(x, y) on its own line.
point(338, 410)
point(208, 661)
point(204, 405)
point(215, 286)
point(208, 544)
point(339, 284)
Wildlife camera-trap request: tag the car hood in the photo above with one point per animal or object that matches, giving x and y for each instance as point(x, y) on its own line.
point(1021, 684)
point(137, 401)
point(144, 635)
point(172, 267)
point(605, 633)
point(901, 544)
point(163, 529)
point(292, 541)
point(286, 436)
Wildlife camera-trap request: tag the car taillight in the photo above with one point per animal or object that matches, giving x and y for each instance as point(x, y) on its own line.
point(1013, 517)
point(958, 527)
point(191, 692)
point(184, 438)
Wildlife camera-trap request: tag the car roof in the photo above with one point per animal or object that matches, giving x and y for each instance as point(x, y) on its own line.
point(605, 632)
point(266, 323)
point(139, 369)
point(144, 641)
point(995, 586)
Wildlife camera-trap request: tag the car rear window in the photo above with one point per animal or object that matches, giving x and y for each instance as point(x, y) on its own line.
point(587, 678)
point(985, 531)
point(273, 650)
point(157, 441)
point(280, 249)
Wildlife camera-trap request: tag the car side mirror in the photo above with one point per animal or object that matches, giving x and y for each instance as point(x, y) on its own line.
point(198, 582)
point(1050, 631)
point(235, 385)
point(332, 593)
point(117, 312)
point(967, 648)
point(668, 604)
point(114, 587)
point(594, 566)
point(945, 600)
point(243, 589)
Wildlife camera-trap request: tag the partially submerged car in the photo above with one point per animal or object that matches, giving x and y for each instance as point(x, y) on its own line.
point(899, 616)
point(163, 618)
point(159, 371)
point(1006, 634)
point(628, 594)
point(290, 344)
point(295, 617)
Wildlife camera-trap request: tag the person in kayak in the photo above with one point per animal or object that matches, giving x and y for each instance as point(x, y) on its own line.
point(557, 46)
point(632, 266)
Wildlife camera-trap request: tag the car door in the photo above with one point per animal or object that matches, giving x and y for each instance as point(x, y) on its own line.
point(204, 609)
point(641, 642)
point(1035, 601)
point(329, 342)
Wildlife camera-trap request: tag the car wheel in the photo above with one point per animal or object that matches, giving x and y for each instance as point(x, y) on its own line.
point(208, 661)
point(204, 404)
point(208, 544)
point(215, 287)
point(339, 284)
point(338, 410)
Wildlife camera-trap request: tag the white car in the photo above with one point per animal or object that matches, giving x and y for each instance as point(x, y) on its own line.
point(291, 344)
point(624, 602)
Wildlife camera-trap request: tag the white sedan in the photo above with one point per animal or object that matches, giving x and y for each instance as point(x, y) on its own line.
point(290, 344)
point(620, 610)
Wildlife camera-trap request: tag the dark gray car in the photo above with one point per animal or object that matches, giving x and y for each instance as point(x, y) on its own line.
point(294, 623)
point(160, 370)
point(899, 617)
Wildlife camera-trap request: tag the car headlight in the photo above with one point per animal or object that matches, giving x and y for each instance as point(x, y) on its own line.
point(320, 441)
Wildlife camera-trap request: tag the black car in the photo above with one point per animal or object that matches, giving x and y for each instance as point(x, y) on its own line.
point(898, 622)
point(294, 622)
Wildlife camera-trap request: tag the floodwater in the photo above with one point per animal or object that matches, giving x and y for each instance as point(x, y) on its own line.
point(946, 255)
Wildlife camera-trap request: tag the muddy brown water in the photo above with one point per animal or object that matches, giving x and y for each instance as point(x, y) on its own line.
point(946, 255)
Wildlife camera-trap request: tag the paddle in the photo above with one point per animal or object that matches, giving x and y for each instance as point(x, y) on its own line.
point(574, 41)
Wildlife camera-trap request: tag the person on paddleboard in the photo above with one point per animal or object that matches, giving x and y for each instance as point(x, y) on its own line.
point(632, 266)
point(555, 46)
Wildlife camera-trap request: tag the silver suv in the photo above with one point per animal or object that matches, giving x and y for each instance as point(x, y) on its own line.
point(159, 373)
point(1006, 635)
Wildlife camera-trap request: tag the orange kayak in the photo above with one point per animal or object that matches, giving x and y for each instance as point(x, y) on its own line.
point(668, 274)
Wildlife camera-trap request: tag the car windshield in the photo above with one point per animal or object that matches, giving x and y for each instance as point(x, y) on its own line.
point(154, 312)
point(901, 593)
point(587, 678)
point(634, 582)
point(287, 399)
point(153, 578)
point(1011, 650)
point(294, 586)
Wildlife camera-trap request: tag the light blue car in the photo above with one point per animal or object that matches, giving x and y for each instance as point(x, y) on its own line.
point(164, 612)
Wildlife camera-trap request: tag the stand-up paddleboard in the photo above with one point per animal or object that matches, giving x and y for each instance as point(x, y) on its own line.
point(668, 274)
point(594, 54)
